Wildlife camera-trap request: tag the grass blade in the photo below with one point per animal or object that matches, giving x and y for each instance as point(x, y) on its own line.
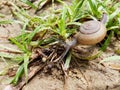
point(10, 49)
point(26, 62)
point(6, 55)
point(18, 74)
point(93, 6)
point(112, 58)
point(19, 45)
point(6, 22)
point(29, 4)
point(104, 46)
point(67, 62)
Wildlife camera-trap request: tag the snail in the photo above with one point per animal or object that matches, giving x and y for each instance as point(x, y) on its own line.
point(90, 33)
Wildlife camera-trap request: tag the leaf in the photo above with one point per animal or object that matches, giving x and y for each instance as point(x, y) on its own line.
point(6, 55)
point(18, 74)
point(112, 58)
point(74, 23)
point(117, 51)
point(77, 8)
point(67, 62)
point(20, 46)
point(10, 49)
point(113, 18)
point(114, 14)
point(62, 23)
point(113, 27)
point(32, 34)
point(2, 15)
point(6, 22)
point(23, 31)
point(26, 62)
point(29, 3)
point(93, 6)
point(107, 41)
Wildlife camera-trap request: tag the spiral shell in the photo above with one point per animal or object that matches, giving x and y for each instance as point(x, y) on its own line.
point(91, 32)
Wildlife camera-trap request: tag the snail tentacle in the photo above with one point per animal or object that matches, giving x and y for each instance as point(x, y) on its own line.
point(104, 18)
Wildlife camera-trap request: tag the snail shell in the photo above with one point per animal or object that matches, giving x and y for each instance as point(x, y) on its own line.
point(91, 32)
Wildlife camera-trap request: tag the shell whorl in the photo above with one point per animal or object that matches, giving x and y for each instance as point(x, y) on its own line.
point(90, 27)
point(91, 32)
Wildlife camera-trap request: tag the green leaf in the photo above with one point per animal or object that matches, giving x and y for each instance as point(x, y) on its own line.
point(107, 41)
point(26, 62)
point(114, 14)
point(18, 74)
point(23, 31)
point(2, 15)
point(74, 23)
point(29, 3)
point(77, 8)
point(6, 21)
point(93, 6)
point(112, 58)
point(113, 27)
point(10, 49)
point(32, 34)
point(47, 40)
point(67, 62)
point(62, 23)
point(6, 55)
point(20, 46)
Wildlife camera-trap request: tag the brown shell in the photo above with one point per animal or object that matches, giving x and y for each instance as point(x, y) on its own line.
point(91, 32)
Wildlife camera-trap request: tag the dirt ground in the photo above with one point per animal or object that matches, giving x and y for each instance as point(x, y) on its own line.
point(82, 75)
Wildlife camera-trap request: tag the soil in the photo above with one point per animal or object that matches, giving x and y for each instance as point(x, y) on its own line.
point(82, 75)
